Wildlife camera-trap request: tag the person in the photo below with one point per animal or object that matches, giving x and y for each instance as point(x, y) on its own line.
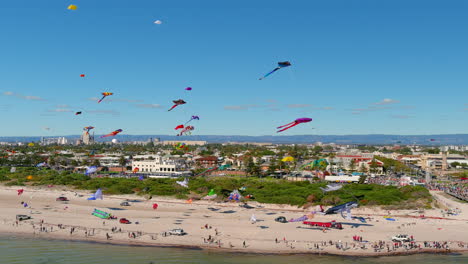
point(243, 244)
point(107, 236)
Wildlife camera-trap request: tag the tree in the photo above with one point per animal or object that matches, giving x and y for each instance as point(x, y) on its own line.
point(352, 165)
point(362, 168)
point(122, 162)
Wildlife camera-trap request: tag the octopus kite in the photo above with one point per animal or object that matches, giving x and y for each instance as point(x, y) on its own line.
point(283, 64)
point(294, 123)
point(104, 95)
point(188, 89)
point(186, 130)
point(112, 133)
point(177, 103)
point(193, 118)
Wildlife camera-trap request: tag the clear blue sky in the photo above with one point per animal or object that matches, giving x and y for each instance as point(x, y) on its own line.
point(359, 67)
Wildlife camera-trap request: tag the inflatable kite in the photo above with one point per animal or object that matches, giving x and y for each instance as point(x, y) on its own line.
point(90, 170)
point(104, 95)
point(78, 113)
point(283, 64)
point(287, 159)
point(82, 75)
point(177, 103)
point(193, 118)
point(112, 133)
point(183, 183)
point(158, 22)
point(186, 130)
point(87, 129)
point(188, 89)
point(20, 191)
point(294, 123)
point(155, 206)
point(179, 127)
point(97, 195)
point(72, 7)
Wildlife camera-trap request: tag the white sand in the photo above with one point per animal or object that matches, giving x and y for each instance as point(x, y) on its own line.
point(234, 228)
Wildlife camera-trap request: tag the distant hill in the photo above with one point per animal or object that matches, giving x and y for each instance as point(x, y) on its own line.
point(377, 139)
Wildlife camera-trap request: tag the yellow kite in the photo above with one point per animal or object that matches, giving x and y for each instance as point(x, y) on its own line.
point(287, 159)
point(72, 7)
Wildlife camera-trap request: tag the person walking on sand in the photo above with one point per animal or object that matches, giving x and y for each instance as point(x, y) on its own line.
point(243, 244)
point(107, 236)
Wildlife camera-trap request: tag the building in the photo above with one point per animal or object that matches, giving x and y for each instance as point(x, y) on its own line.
point(52, 141)
point(160, 165)
point(207, 162)
point(86, 138)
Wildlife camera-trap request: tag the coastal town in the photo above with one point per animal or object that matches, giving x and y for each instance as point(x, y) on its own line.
point(212, 195)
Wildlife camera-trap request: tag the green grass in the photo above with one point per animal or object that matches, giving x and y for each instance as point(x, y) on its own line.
point(265, 190)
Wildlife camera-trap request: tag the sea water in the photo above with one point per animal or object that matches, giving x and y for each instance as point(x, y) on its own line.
point(15, 250)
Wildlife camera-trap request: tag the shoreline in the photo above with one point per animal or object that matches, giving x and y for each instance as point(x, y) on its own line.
point(230, 228)
point(118, 243)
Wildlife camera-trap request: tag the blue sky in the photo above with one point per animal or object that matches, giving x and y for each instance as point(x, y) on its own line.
point(359, 67)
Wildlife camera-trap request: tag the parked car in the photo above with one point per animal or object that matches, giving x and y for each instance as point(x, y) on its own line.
point(124, 204)
point(177, 232)
point(124, 221)
point(401, 238)
point(281, 219)
point(22, 217)
point(62, 199)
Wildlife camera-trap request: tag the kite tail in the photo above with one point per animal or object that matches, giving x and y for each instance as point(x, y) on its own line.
point(172, 107)
point(266, 75)
point(286, 124)
point(295, 124)
point(100, 100)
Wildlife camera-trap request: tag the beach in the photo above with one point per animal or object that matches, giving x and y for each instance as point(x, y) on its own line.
point(227, 226)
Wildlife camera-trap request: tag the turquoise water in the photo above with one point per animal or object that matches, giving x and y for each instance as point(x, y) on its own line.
point(25, 250)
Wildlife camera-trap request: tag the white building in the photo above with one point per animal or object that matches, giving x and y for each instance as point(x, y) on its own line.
point(159, 165)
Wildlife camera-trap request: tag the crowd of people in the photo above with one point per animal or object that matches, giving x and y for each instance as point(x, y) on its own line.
point(458, 189)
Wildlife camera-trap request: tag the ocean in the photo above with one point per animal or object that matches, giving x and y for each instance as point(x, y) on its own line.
point(16, 250)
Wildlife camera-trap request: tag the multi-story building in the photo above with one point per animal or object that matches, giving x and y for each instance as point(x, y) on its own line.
point(160, 165)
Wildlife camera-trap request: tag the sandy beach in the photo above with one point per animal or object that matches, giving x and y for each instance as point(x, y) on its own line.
point(229, 225)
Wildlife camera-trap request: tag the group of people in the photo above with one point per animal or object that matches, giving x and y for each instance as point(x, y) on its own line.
point(455, 188)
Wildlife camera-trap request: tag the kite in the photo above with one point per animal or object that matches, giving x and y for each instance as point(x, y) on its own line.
point(186, 130)
point(331, 188)
point(78, 113)
point(179, 127)
point(294, 123)
point(158, 22)
point(283, 64)
point(72, 7)
point(183, 183)
point(181, 145)
point(112, 133)
point(104, 95)
point(155, 206)
point(87, 129)
point(193, 118)
point(176, 103)
point(97, 195)
point(287, 159)
point(90, 170)
point(188, 89)
point(20, 191)
point(135, 170)
point(82, 75)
